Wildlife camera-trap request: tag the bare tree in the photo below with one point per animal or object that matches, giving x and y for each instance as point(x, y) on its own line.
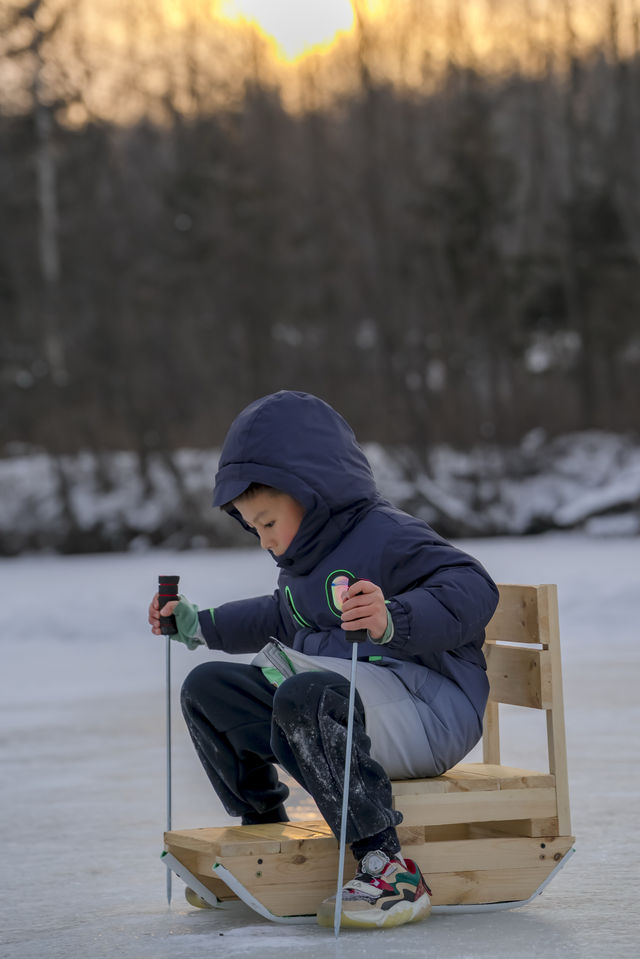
point(43, 20)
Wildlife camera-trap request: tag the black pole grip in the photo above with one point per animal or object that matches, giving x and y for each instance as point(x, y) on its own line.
point(167, 591)
point(355, 635)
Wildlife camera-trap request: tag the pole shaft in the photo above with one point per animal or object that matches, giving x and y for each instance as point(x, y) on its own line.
point(168, 731)
point(345, 791)
point(168, 592)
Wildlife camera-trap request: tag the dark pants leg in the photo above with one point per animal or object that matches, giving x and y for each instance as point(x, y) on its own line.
point(241, 725)
point(309, 736)
point(227, 708)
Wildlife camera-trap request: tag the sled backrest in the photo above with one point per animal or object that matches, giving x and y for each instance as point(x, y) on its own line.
point(522, 649)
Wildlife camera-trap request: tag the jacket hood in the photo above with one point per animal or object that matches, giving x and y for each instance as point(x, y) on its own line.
point(299, 444)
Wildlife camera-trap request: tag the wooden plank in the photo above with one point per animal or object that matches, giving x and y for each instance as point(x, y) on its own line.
point(448, 832)
point(488, 853)
point(410, 835)
point(516, 618)
point(261, 839)
point(182, 840)
point(473, 777)
point(203, 837)
point(293, 899)
point(237, 846)
point(556, 734)
point(218, 836)
point(219, 889)
point(315, 866)
point(511, 777)
point(298, 854)
point(442, 785)
point(517, 827)
point(302, 829)
point(495, 885)
point(531, 803)
point(491, 733)
point(519, 675)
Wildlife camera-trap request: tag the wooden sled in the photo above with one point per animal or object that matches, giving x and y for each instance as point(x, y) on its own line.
point(486, 836)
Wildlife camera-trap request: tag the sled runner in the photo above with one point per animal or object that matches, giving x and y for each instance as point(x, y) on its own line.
point(485, 835)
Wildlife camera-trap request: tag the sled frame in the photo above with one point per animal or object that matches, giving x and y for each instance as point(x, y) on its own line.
point(486, 836)
point(245, 896)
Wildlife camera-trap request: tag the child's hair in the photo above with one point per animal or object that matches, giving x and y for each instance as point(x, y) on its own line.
point(252, 490)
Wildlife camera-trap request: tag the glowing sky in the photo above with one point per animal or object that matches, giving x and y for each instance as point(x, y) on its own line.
point(295, 26)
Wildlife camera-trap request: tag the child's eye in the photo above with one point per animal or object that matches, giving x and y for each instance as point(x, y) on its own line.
point(270, 524)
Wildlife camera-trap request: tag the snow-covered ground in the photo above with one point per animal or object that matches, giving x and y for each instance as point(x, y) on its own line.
point(90, 501)
point(83, 765)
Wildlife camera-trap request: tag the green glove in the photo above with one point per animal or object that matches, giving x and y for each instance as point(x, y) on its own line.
point(387, 636)
point(188, 624)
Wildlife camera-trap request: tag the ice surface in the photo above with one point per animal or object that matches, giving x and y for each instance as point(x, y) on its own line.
point(83, 765)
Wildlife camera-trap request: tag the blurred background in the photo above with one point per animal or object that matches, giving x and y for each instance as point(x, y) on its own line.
point(425, 211)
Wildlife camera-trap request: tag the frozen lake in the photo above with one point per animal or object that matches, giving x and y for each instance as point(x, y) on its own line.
point(83, 760)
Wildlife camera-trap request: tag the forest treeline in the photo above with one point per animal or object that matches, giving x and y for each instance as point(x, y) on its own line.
point(450, 264)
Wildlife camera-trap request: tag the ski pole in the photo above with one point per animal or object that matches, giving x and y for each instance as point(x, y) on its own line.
point(355, 637)
point(168, 591)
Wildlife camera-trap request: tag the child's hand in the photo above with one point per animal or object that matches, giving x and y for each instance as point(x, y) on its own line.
point(155, 612)
point(363, 607)
point(186, 613)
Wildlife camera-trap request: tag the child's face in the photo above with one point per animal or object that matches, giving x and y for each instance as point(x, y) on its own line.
point(276, 518)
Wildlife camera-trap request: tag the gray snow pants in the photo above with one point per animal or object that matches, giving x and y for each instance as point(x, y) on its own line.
point(241, 725)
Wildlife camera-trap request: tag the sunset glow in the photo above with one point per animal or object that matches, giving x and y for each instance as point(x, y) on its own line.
point(131, 58)
point(295, 28)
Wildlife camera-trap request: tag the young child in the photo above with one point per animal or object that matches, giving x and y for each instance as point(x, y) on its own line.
point(292, 473)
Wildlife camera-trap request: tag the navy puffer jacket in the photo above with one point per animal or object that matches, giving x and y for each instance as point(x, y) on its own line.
point(439, 597)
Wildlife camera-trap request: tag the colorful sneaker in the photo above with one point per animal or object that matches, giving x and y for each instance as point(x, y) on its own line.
point(385, 892)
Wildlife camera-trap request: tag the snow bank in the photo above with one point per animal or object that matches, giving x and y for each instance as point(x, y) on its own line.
point(112, 501)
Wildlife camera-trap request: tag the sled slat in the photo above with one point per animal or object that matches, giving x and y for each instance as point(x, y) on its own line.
point(477, 886)
point(491, 733)
point(474, 777)
point(477, 806)
point(519, 676)
point(517, 827)
point(254, 872)
point(294, 898)
point(250, 840)
point(486, 854)
point(556, 734)
point(516, 619)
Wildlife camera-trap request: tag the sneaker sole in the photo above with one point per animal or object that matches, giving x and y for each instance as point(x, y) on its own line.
point(399, 915)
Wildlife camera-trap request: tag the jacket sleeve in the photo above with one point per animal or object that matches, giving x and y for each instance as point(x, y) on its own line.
point(245, 625)
point(333, 642)
point(439, 597)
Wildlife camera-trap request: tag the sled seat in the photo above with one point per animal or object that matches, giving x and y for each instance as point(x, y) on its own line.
point(481, 833)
